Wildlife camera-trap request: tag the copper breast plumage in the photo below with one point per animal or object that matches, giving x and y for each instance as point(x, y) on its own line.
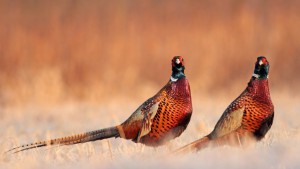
point(173, 114)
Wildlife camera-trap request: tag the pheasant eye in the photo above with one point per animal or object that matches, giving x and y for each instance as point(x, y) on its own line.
point(265, 60)
point(177, 61)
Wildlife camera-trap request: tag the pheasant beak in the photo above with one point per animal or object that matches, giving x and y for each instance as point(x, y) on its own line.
point(263, 61)
point(177, 62)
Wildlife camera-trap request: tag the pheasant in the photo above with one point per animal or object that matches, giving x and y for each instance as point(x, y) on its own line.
point(248, 117)
point(158, 120)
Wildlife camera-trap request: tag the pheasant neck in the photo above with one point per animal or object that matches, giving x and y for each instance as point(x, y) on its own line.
point(180, 89)
point(177, 75)
point(258, 76)
point(259, 88)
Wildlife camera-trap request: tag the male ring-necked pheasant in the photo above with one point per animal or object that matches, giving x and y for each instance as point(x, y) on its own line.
point(248, 117)
point(158, 120)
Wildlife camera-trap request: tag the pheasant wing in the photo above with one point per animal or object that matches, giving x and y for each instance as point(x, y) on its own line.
point(229, 121)
point(147, 121)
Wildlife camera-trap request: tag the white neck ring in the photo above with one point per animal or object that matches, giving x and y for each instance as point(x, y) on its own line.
point(173, 79)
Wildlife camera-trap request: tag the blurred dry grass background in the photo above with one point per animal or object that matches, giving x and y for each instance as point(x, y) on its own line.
point(51, 51)
point(71, 66)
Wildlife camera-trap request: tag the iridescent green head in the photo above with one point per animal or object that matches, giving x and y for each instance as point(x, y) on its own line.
point(261, 70)
point(177, 68)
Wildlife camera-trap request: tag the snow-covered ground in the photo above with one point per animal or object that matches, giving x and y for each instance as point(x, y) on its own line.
point(20, 125)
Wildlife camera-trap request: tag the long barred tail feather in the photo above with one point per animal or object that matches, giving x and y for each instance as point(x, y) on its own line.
point(232, 139)
point(194, 146)
point(75, 139)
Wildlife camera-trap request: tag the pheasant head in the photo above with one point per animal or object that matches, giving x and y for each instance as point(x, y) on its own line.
point(177, 68)
point(261, 69)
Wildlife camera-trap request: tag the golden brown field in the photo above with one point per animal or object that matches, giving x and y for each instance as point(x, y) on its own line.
point(72, 66)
